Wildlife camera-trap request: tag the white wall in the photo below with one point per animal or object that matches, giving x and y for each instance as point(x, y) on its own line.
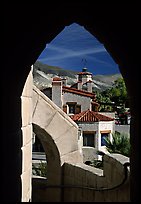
point(110, 125)
point(90, 152)
point(84, 101)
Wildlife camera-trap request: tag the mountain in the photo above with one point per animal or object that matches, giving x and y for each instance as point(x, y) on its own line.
point(43, 74)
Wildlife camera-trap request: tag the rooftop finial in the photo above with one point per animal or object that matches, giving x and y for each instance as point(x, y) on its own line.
point(84, 61)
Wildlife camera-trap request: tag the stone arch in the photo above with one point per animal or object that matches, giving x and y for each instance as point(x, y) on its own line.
point(63, 131)
point(121, 39)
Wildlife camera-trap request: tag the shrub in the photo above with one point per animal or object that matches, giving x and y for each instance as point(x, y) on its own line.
point(119, 144)
point(40, 170)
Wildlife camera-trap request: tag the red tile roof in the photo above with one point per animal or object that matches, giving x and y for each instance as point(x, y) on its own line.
point(78, 92)
point(84, 73)
point(90, 116)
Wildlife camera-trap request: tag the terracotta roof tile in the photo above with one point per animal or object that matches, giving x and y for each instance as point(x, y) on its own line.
point(90, 116)
point(78, 92)
point(84, 73)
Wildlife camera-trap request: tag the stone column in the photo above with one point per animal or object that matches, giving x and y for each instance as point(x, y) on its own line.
point(26, 109)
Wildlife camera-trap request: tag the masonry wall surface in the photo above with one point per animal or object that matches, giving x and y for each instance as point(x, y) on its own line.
point(83, 183)
point(84, 176)
point(58, 125)
point(26, 110)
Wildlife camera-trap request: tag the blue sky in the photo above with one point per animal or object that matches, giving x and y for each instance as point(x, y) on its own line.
point(75, 48)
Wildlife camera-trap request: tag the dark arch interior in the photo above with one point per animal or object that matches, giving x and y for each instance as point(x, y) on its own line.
point(28, 29)
point(51, 151)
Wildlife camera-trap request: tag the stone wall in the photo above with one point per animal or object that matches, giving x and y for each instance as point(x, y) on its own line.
point(85, 176)
point(26, 106)
point(83, 183)
point(56, 123)
point(89, 153)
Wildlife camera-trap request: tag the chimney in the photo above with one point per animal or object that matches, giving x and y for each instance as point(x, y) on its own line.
point(89, 86)
point(57, 91)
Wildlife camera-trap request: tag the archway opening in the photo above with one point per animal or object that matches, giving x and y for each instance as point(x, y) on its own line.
point(52, 167)
point(67, 54)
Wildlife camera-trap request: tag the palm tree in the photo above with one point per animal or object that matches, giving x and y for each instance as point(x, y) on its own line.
point(120, 144)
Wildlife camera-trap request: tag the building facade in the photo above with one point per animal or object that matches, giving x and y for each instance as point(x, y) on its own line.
point(79, 102)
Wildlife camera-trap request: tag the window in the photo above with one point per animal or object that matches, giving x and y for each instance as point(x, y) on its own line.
point(103, 136)
point(88, 139)
point(72, 108)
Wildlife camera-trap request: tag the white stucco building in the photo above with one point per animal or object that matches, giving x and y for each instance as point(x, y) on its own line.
point(93, 128)
point(79, 102)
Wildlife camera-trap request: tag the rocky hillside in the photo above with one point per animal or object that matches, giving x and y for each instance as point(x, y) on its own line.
point(43, 74)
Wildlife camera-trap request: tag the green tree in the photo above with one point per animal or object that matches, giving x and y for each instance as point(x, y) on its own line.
point(104, 99)
point(117, 95)
point(118, 92)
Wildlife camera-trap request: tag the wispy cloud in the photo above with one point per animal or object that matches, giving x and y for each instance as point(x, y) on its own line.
point(63, 53)
point(67, 53)
point(100, 61)
point(72, 45)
